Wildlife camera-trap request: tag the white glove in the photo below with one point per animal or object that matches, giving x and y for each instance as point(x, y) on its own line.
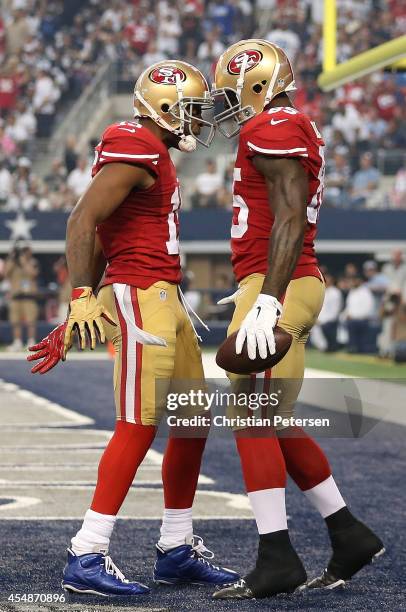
point(230, 299)
point(257, 327)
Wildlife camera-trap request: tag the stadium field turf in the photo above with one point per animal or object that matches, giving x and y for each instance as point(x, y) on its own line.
point(370, 471)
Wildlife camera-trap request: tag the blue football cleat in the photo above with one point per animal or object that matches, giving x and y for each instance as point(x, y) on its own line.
point(188, 564)
point(96, 574)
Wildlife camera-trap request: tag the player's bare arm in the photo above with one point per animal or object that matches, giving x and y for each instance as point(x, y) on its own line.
point(287, 185)
point(106, 192)
point(99, 263)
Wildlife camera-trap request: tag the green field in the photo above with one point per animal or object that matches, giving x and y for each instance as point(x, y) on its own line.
point(364, 366)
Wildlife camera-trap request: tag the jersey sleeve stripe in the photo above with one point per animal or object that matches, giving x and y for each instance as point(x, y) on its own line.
point(128, 156)
point(302, 151)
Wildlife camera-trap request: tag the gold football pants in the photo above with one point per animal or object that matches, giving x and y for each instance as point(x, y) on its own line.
point(144, 373)
point(301, 306)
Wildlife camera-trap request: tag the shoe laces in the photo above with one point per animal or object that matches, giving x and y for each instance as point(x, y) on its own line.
point(112, 569)
point(201, 552)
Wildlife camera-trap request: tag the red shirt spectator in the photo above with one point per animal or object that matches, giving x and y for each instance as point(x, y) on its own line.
point(138, 36)
point(8, 91)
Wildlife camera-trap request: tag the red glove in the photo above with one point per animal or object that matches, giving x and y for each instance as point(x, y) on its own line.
point(50, 350)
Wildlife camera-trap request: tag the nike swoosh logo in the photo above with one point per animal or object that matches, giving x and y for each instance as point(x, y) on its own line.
point(259, 308)
point(276, 121)
point(133, 131)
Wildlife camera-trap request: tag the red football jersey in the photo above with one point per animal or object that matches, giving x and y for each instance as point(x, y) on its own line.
point(140, 238)
point(278, 132)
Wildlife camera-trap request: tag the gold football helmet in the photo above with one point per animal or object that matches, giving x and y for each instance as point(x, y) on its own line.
point(249, 74)
point(173, 94)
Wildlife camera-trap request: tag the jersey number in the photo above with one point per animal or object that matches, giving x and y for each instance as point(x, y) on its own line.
point(314, 206)
point(172, 245)
point(238, 229)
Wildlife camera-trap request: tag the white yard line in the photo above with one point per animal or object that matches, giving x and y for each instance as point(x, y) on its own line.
point(34, 401)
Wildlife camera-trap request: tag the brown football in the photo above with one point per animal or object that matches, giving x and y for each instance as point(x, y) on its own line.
point(227, 358)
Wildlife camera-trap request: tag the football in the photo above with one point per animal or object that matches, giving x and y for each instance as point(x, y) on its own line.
point(227, 358)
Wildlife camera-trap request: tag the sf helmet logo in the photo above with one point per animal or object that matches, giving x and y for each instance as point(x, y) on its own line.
point(253, 58)
point(166, 75)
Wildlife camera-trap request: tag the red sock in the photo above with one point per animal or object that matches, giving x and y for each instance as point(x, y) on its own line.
point(305, 461)
point(262, 463)
point(180, 471)
point(119, 463)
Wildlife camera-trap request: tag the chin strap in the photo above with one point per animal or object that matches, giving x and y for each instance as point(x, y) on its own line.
point(154, 115)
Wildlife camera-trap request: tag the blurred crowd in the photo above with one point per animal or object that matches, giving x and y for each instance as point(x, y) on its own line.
point(51, 49)
point(364, 310)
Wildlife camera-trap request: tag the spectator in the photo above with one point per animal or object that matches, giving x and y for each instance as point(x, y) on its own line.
point(9, 84)
point(208, 186)
point(5, 183)
point(395, 271)
point(70, 155)
point(337, 181)
point(365, 181)
point(153, 55)
point(389, 307)
point(168, 34)
point(57, 176)
point(191, 35)
point(21, 271)
point(18, 32)
point(376, 281)
point(324, 334)
point(79, 178)
point(359, 311)
point(46, 94)
point(211, 48)
point(399, 334)
point(7, 144)
point(223, 14)
point(24, 189)
point(64, 287)
point(285, 38)
point(138, 32)
point(398, 193)
point(25, 118)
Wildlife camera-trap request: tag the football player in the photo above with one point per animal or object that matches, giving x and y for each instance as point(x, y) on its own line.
point(278, 189)
point(128, 218)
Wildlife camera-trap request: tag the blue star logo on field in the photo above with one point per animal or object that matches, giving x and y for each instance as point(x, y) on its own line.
point(20, 227)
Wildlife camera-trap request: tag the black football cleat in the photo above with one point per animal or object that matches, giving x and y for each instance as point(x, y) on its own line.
point(353, 548)
point(278, 570)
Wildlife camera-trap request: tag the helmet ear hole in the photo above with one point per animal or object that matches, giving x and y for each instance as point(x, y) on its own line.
point(165, 108)
point(257, 88)
point(263, 82)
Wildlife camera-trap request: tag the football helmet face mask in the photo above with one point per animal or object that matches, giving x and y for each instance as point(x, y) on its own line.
point(175, 94)
point(249, 74)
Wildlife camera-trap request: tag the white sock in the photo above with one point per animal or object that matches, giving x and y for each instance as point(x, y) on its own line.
point(94, 535)
point(269, 509)
point(176, 528)
point(326, 497)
